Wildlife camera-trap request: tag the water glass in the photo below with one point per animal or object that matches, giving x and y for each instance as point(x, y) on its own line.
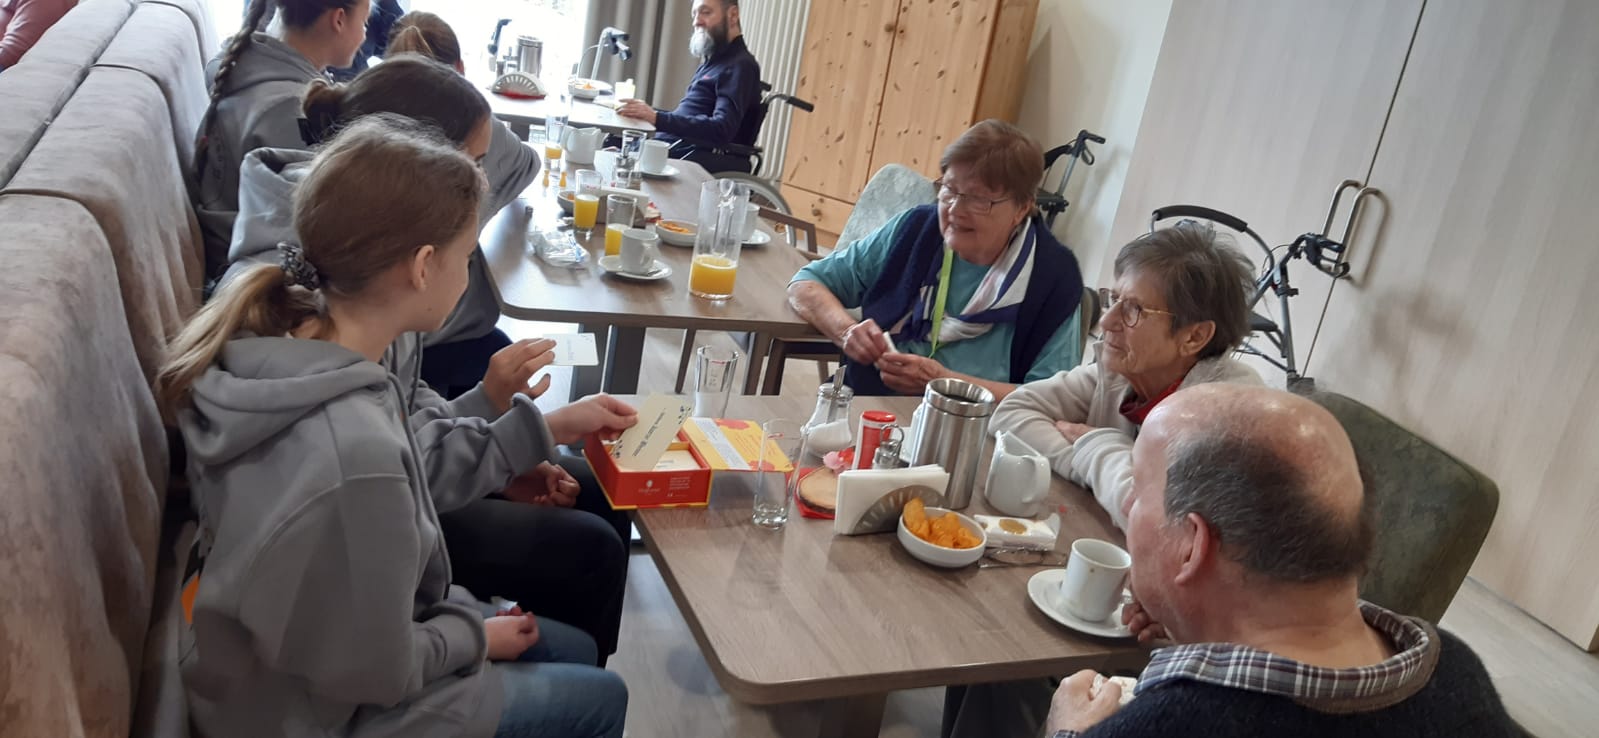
point(714, 375)
point(631, 140)
point(781, 443)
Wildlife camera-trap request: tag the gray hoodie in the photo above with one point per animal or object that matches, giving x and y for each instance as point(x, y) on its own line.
point(260, 106)
point(510, 167)
point(325, 605)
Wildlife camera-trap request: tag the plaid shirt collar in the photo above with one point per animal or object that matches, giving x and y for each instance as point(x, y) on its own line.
point(1327, 690)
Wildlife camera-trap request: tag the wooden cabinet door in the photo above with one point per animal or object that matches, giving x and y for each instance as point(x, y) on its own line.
point(1471, 318)
point(843, 68)
point(1260, 108)
point(940, 58)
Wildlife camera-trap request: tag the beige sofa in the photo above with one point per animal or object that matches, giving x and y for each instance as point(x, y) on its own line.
point(100, 263)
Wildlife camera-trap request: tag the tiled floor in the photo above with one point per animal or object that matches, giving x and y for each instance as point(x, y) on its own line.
point(1548, 684)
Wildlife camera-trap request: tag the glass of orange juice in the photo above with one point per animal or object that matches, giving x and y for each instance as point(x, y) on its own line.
point(618, 218)
point(716, 245)
point(586, 202)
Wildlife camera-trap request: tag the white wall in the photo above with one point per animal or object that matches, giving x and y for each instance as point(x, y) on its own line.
point(1090, 66)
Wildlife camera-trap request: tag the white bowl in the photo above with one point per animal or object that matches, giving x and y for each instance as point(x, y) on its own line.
point(674, 238)
point(587, 89)
point(950, 558)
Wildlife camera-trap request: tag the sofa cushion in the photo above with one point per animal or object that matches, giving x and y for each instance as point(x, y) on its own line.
point(159, 41)
point(111, 149)
point(81, 34)
point(199, 12)
point(34, 94)
point(83, 456)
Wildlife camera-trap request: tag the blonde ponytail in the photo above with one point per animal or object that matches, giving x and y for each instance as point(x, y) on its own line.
point(260, 301)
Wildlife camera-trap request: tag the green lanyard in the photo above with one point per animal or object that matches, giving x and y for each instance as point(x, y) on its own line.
point(943, 297)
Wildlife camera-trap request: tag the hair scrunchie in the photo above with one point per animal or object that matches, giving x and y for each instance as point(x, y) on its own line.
point(296, 268)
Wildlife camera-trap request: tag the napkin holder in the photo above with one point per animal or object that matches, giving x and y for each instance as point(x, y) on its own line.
point(870, 500)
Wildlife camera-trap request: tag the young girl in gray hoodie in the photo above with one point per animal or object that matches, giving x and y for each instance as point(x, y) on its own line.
point(324, 605)
point(255, 99)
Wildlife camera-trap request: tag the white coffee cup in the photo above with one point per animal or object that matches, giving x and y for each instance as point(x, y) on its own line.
point(640, 248)
point(752, 217)
point(652, 156)
point(1096, 575)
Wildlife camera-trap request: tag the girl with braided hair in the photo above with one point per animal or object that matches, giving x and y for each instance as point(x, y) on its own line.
point(256, 84)
point(325, 603)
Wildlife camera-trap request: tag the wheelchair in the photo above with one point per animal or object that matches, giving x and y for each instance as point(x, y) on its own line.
point(751, 157)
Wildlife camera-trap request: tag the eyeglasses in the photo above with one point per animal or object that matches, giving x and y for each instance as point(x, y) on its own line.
point(1132, 311)
point(972, 204)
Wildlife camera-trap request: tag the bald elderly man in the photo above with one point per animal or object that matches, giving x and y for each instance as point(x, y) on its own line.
point(1249, 529)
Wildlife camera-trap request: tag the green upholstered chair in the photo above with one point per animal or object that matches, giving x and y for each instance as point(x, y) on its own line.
point(1433, 511)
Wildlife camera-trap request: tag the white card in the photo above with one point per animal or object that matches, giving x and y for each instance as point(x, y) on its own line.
point(890, 341)
point(659, 419)
point(575, 349)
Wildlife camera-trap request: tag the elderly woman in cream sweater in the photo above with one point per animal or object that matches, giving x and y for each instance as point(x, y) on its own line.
point(1178, 309)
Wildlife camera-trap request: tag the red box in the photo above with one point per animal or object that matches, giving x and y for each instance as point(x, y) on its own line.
point(627, 490)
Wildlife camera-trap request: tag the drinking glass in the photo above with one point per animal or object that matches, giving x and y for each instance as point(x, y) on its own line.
point(714, 372)
point(716, 246)
point(554, 128)
point(776, 478)
point(586, 202)
point(618, 218)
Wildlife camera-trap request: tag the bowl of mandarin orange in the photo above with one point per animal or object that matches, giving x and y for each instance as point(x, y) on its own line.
point(940, 537)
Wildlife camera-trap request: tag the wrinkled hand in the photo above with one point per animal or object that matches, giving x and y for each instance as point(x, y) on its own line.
point(1078, 706)
point(1072, 431)
point(1140, 622)
point(864, 342)
point(908, 373)
point(638, 110)
point(510, 635)
point(600, 413)
point(511, 367)
point(547, 484)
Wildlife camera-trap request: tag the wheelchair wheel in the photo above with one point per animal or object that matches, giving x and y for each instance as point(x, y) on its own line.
point(762, 192)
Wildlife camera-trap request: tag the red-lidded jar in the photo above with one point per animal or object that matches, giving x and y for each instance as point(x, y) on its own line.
point(875, 424)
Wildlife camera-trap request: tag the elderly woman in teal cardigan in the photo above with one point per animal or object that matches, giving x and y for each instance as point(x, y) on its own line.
point(974, 287)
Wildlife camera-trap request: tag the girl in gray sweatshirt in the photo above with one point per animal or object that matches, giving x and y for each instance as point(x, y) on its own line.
point(324, 605)
point(255, 99)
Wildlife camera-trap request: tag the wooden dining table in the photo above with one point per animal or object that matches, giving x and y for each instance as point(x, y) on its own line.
point(800, 614)
point(619, 310)
point(523, 115)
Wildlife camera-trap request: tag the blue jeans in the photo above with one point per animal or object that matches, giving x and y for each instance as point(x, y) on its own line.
point(551, 691)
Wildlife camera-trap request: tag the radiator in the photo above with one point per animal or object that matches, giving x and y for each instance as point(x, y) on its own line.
point(775, 32)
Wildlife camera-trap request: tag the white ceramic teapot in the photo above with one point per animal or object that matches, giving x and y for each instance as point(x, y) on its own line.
point(1018, 477)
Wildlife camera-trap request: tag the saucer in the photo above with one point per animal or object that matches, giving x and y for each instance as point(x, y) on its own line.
point(668, 173)
point(761, 238)
point(613, 265)
point(1044, 589)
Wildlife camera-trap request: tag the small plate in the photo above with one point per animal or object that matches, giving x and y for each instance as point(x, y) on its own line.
point(1044, 589)
point(668, 173)
point(761, 238)
point(675, 238)
point(613, 265)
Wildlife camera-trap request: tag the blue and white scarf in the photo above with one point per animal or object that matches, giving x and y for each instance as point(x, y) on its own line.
point(998, 298)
